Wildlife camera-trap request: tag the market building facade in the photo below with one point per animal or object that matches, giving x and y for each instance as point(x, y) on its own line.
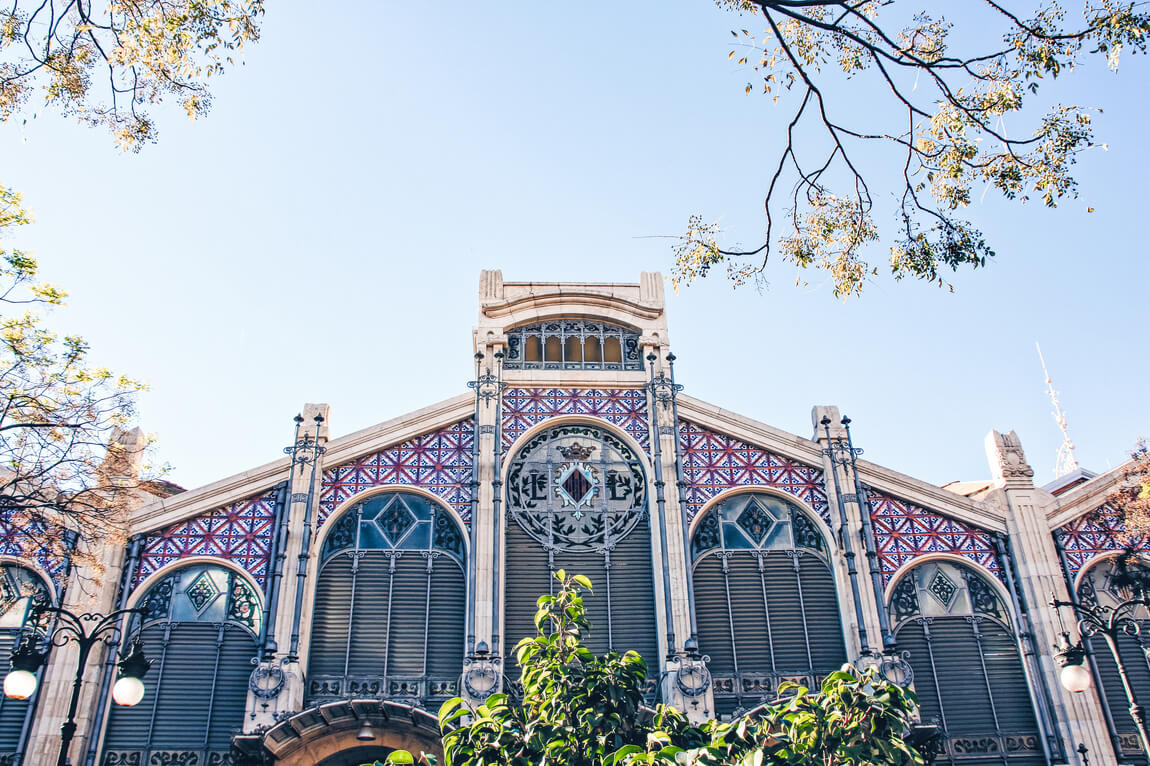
point(318, 609)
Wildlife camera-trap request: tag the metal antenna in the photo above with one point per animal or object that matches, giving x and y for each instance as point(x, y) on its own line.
point(1065, 462)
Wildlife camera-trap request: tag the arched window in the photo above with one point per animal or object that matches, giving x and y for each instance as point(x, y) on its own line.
point(200, 627)
point(390, 604)
point(577, 500)
point(765, 601)
point(967, 671)
point(20, 588)
point(1098, 587)
point(572, 344)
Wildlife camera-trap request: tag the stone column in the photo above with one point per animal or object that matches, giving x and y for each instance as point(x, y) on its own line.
point(487, 554)
point(857, 606)
point(1038, 574)
point(302, 528)
point(671, 574)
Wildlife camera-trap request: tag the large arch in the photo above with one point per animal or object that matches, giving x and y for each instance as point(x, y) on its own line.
point(388, 618)
point(200, 625)
point(953, 625)
point(577, 499)
point(333, 734)
point(1099, 584)
point(766, 604)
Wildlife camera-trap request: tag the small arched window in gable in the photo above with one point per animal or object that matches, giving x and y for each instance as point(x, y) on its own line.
point(573, 344)
point(957, 636)
point(1102, 586)
point(765, 600)
point(390, 604)
point(200, 625)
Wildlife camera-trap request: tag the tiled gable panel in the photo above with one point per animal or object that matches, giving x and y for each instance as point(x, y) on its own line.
point(713, 462)
point(30, 543)
point(625, 408)
point(905, 531)
point(1091, 534)
point(240, 533)
point(439, 462)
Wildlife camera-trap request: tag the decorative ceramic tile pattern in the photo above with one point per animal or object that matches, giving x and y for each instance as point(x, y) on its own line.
point(439, 462)
point(904, 531)
point(240, 533)
point(1091, 534)
point(19, 543)
point(625, 408)
point(713, 463)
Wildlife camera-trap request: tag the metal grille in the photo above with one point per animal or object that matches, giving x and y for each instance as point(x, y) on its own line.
point(597, 527)
point(572, 344)
point(1096, 588)
point(201, 630)
point(967, 671)
point(765, 600)
point(19, 587)
point(390, 604)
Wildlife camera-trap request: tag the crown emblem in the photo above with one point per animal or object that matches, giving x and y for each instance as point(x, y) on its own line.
point(576, 451)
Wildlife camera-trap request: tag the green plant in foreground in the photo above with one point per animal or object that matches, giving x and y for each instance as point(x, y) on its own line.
point(578, 709)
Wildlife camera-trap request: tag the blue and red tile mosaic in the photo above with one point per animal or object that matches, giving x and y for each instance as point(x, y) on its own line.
point(713, 463)
point(625, 408)
point(905, 531)
point(240, 533)
point(439, 462)
point(1099, 532)
point(32, 545)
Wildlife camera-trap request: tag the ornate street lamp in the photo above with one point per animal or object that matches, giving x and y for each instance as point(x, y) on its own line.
point(86, 630)
point(1110, 622)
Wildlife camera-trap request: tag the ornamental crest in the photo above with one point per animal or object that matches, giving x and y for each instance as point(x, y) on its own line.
point(576, 488)
point(576, 482)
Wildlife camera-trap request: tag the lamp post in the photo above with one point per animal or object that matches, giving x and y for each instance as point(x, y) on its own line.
point(87, 630)
point(1110, 622)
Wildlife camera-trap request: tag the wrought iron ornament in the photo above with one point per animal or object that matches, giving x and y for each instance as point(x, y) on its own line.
point(576, 488)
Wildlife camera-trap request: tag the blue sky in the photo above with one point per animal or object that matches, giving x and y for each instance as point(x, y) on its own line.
point(319, 236)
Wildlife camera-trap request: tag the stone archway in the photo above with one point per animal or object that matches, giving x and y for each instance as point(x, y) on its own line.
point(357, 756)
point(329, 734)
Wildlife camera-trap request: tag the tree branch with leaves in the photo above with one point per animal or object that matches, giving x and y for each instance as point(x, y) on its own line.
point(947, 113)
point(67, 458)
point(105, 62)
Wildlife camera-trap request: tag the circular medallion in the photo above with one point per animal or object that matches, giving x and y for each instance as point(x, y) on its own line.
point(576, 488)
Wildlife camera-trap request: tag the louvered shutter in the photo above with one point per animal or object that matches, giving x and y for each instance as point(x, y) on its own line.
point(383, 619)
point(1138, 673)
point(784, 623)
point(196, 691)
point(12, 712)
point(986, 715)
point(631, 593)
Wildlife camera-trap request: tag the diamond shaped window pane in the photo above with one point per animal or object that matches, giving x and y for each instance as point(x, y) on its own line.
point(942, 588)
point(202, 592)
point(755, 522)
point(395, 521)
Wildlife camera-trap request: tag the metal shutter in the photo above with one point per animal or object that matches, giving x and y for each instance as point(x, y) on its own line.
point(761, 627)
point(982, 725)
point(626, 592)
point(196, 692)
point(12, 712)
point(381, 620)
point(1138, 672)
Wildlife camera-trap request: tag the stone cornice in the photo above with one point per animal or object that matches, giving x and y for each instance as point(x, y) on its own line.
point(882, 479)
point(571, 300)
point(163, 512)
point(377, 437)
point(1082, 499)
